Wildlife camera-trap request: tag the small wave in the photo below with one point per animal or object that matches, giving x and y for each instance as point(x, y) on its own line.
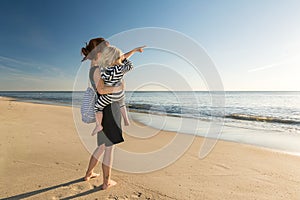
point(261, 119)
point(139, 106)
point(170, 110)
point(157, 108)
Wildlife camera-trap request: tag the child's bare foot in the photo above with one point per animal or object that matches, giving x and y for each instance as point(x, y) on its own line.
point(126, 122)
point(110, 184)
point(97, 129)
point(90, 176)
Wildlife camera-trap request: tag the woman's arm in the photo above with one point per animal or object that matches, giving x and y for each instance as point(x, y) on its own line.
point(104, 89)
point(130, 53)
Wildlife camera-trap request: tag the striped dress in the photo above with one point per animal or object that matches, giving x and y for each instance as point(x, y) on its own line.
point(112, 76)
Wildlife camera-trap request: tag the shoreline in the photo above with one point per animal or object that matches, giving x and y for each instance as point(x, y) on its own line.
point(44, 158)
point(166, 115)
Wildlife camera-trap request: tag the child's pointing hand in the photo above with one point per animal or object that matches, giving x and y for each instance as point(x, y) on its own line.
point(140, 49)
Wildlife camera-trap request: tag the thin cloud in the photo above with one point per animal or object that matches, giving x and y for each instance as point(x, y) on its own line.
point(29, 78)
point(9, 69)
point(265, 67)
point(19, 66)
point(278, 64)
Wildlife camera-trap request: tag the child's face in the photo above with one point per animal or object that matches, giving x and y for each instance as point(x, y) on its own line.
point(119, 60)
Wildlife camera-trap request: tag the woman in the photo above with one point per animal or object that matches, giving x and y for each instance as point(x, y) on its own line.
point(112, 132)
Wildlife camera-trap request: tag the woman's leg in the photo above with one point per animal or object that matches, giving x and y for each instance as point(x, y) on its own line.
point(106, 168)
point(93, 162)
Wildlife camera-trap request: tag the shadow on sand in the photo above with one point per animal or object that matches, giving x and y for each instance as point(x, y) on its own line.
point(36, 192)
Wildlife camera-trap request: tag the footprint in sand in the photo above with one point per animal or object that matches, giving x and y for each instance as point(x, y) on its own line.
point(76, 188)
point(111, 197)
point(222, 166)
point(136, 195)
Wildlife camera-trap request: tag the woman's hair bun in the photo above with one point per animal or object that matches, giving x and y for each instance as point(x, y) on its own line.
point(92, 48)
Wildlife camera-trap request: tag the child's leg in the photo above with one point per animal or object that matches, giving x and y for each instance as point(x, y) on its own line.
point(102, 101)
point(99, 117)
point(124, 115)
point(124, 111)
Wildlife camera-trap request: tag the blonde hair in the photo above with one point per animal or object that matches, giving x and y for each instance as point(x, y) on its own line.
point(109, 55)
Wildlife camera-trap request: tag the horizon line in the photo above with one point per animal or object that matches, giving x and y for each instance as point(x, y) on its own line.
point(157, 91)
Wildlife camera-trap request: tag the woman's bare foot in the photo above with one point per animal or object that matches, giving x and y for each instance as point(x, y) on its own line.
point(90, 176)
point(97, 129)
point(110, 184)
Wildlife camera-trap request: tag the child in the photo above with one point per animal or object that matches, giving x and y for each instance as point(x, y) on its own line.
point(114, 65)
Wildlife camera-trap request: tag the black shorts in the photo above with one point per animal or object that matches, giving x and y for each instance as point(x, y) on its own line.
point(111, 122)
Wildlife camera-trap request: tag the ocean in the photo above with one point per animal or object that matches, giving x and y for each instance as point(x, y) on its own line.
point(267, 111)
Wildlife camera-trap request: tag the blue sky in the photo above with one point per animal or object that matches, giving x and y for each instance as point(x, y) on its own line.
point(255, 45)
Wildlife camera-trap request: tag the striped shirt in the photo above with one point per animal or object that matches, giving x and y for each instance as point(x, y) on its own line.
point(112, 75)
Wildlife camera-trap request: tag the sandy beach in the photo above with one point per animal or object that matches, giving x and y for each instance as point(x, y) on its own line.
point(42, 157)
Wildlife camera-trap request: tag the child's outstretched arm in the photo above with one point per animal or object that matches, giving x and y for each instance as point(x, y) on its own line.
point(130, 53)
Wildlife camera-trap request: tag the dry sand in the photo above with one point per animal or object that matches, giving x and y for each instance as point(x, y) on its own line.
point(42, 157)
